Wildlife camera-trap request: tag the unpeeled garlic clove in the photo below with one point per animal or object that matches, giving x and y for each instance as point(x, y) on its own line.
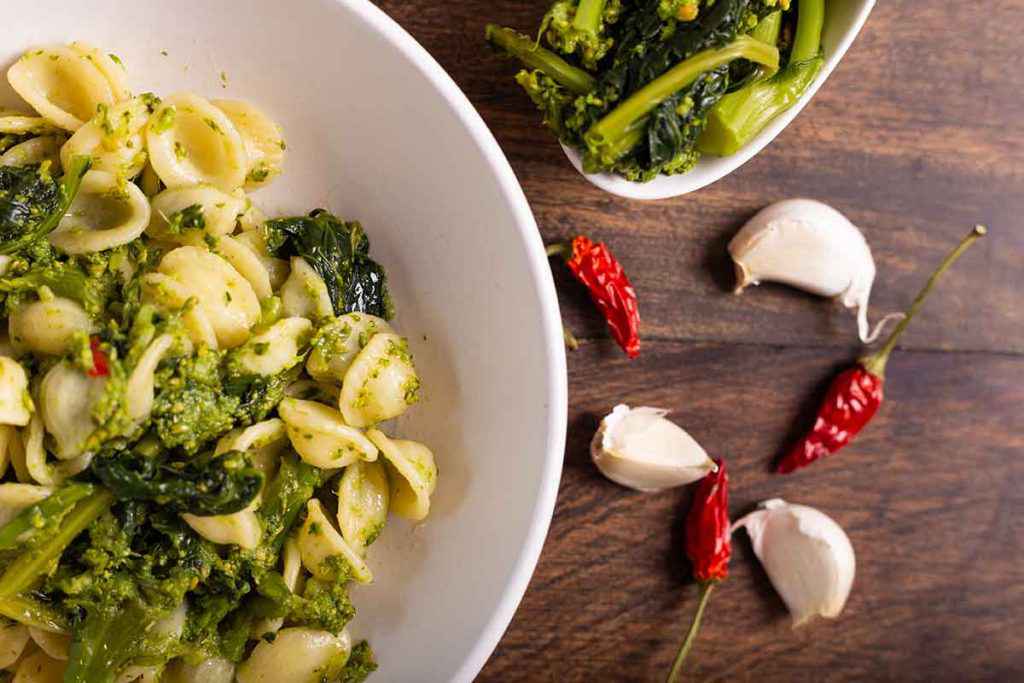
point(809, 245)
point(807, 556)
point(640, 449)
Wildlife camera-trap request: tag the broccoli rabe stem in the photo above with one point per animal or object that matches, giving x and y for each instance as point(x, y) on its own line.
point(588, 16)
point(534, 56)
point(25, 570)
point(36, 516)
point(608, 139)
point(768, 29)
point(741, 115)
point(25, 610)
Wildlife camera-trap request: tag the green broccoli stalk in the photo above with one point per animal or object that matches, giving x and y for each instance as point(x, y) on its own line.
point(624, 127)
point(43, 516)
point(741, 115)
point(578, 26)
point(32, 203)
point(533, 56)
point(285, 498)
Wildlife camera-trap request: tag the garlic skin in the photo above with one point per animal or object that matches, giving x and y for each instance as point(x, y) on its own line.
point(807, 556)
point(640, 449)
point(808, 245)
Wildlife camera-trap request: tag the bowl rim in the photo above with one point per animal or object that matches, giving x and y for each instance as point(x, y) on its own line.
point(667, 187)
point(557, 389)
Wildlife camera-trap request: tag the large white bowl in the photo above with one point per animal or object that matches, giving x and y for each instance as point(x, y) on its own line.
point(843, 21)
point(378, 132)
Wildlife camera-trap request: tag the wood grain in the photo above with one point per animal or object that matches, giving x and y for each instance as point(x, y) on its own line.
point(915, 138)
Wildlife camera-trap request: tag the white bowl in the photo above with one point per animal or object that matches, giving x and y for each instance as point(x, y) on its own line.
point(378, 132)
point(843, 21)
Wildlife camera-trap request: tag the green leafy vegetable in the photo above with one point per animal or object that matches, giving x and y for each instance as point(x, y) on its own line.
point(579, 26)
point(189, 218)
point(361, 663)
point(32, 202)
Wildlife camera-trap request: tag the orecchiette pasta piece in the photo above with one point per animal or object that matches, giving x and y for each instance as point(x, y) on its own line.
point(192, 142)
point(60, 84)
point(34, 151)
point(209, 670)
point(105, 213)
point(275, 349)
point(13, 639)
point(291, 572)
point(14, 122)
point(139, 391)
point(16, 453)
point(319, 542)
point(48, 326)
point(246, 262)
point(139, 674)
point(112, 139)
point(55, 645)
point(114, 72)
point(225, 298)
point(149, 181)
point(15, 404)
point(304, 293)
point(16, 497)
point(263, 139)
point(252, 219)
point(338, 342)
point(240, 528)
point(167, 293)
point(35, 457)
point(277, 269)
point(39, 667)
point(263, 442)
point(218, 209)
point(381, 383)
point(362, 503)
point(66, 397)
point(320, 436)
point(297, 655)
point(412, 473)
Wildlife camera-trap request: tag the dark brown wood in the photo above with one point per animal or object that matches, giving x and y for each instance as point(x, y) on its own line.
point(917, 135)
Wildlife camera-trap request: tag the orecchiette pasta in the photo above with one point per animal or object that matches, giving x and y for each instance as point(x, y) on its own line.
point(362, 503)
point(17, 123)
point(263, 140)
point(304, 293)
point(39, 667)
point(263, 442)
point(16, 497)
point(66, 397)
point(275, 349)
point(209, 670)
point(105, 213)
point(218, 209)
point(247, 263)
point(320, 436)
point(34, 151)
point(61, 84)
point(139, 392)
point(319, 541)
point(47, 326)
point(240, 528)
point(225, 298)
point(117, 77)
point(381, 383)
point(277, 269)
point(411, 472)
point(112, 139)
point(13, 639)
point(191, 142)
point(35, 457)
point(297, 655)
point(139, 674)
point(165, 292)
point(15, 404)
point(338, 342)
point(55, 645)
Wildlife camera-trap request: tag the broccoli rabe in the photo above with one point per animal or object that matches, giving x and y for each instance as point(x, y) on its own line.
point(361, 663)
point(32, 201)
point(191, 406)
point(579, 27)
point(64, 278)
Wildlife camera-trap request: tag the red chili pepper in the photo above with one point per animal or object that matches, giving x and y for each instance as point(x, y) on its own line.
point(610, 289)
point(708, 545)
point(100, 364)
point(855, 394)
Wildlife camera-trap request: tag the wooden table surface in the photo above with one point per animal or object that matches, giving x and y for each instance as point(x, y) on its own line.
point(917, 135)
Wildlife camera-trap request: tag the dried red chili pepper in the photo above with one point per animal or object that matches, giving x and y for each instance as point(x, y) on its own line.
point(100, 363)
point(708, 545)
point(855, 394)
point(610, 289)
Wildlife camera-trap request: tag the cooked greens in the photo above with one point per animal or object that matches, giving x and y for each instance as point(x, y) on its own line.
point(644, 88)
point(32, 201)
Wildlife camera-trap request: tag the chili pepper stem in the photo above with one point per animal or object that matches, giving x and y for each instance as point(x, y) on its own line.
point(875, 363)
point(563, 249)
point(691, 635)
point(570, 339)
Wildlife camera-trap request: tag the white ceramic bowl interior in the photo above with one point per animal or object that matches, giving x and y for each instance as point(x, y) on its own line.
point(843, 21)
point(376, 131)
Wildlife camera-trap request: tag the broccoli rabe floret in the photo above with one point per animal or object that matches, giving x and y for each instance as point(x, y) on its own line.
point(361, 663)
point(64, 278)
point(579, 27)
point(191, 406)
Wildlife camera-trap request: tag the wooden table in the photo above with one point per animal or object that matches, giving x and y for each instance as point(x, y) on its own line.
point(918, 135)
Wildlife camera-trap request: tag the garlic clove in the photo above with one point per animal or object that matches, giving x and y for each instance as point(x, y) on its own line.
point(808, 245)
point(640, 449)
point(807, 556)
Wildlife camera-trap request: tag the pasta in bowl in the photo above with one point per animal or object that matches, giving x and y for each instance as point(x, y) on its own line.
point(194, 399)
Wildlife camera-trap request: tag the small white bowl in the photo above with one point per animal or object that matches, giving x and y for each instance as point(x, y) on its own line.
point(843, 21)
point(378, 132)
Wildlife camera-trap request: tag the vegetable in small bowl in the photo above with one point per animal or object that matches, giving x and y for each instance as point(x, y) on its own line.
point(657, 98)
